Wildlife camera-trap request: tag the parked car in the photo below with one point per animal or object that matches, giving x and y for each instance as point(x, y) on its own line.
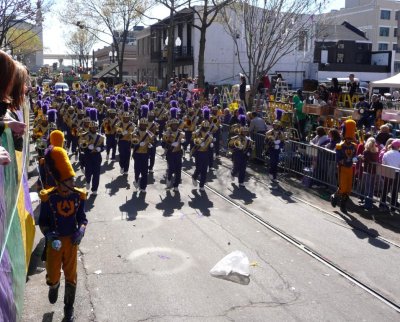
point(61, 86)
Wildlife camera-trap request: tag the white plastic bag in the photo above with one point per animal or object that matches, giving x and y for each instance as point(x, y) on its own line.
point(233, 267)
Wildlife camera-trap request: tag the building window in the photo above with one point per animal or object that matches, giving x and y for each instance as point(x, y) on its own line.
point(396, 66)
point(385, 14)
point(395, 32)
point(383, 46)
point(384, 31)
point(340, 58)
point(397, 15)
point(395, 47)
point(302, 44)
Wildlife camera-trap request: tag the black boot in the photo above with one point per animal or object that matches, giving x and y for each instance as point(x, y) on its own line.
point(334, 200)
point(53, 293)
point(69, 299)
point(343, 204)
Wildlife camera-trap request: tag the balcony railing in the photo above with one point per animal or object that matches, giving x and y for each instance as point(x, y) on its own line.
point(180, 53)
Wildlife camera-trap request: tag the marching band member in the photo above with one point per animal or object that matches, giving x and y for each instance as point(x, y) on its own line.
point(173, 137)
point(52, 121)
point(42, 124)
point(46, 179)
point(153, 128)
point(241, 146)
point(215, 125)
point(109, 126)
point(141, 140)
point(63, 222)
point(189, 121)
point(69, 120)
point(161, 116)
point(345, 157)
point(92, 144)
point(274, 140)
point(125, 128)
point(202, 140)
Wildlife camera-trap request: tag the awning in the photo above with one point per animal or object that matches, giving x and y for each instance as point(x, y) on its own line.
point(110, 71)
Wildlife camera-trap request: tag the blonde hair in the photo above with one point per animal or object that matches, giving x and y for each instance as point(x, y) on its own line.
point(18, 89)
point(370, 145)
point(388, 144)
point(7, 68)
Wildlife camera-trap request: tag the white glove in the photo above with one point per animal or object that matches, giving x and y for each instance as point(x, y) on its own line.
point(277, 147)
point(98, 149)
point(141, 143)
point(183, 141)
point(174, 144)
point(125, 132)
point(150, 146)
point(248, 154)
point(202, 144)
point(211, 145)
point(355, 160)
point(91, 147)
point(214, 139)
point(277, 141)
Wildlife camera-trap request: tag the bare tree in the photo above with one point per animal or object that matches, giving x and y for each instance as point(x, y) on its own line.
point(173, 6)
point(206, 12)
point(268, 31)
point(109, 19)
point(23, 42)
point(80, 44)
point(18, 19)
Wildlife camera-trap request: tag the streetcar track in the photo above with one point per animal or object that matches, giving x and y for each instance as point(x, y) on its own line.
point(304, 248)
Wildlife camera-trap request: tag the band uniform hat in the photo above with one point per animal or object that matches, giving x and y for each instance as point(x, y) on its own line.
point(57, 138)
point(94, 121)
point(241, 110)
point(349, 129)
point(144, 112)
point(206, 117)
point(58, 163)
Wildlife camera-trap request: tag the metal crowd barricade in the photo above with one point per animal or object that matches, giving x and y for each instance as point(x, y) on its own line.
point(312, 162)
point(376, 182)
point(259, 143)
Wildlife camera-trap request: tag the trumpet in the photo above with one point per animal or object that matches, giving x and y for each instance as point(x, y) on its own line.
point(135, 139)
point(214, 120)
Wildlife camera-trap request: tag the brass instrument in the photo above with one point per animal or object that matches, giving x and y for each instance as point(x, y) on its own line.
point(119, 130)
point(101, 86)
point(198, 141)
point(238, 143)
point(214, 119)
point(135, 139)
point(188, 122)
point(235, 129)
point(84, 144)
point(76, 86)
point(46, 88)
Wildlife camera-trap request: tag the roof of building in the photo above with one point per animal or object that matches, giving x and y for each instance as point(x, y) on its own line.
point(345, 31)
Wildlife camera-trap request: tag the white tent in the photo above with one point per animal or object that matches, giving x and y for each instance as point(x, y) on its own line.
point(393, 82)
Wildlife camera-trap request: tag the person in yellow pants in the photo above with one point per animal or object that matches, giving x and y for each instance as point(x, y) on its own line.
point(63, 222)
point(345, 157)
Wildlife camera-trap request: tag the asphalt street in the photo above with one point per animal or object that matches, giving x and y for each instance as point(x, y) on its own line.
point(147, 257)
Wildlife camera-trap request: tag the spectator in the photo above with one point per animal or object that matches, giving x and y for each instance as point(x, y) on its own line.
point(226, 119)
point(363, 110)
point(301, 118)
point(387, 147)
point(323, 92)
point(321, 138)
point(242, 92)
point(391, 158)
point(335, 91)
point(334, 138)
point(370, 158)
point(352, 85)
point(383, 135)
point(257, 124)
point(376, 108)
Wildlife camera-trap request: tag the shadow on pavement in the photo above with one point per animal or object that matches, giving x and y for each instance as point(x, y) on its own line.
point(133, 206)
point(48, 317)
point(120, 182)
point(362, 231)
point(170, 203)
point(36, 265)
point(278, 191)
point(201, 202)
point(107, 166)
point(242, 193)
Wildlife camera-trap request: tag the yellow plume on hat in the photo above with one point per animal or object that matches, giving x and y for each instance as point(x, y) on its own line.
point(57, 138)
point(349, 129)
point(59, 164)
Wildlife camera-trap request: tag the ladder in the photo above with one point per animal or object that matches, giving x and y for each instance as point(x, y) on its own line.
point(281, 88)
